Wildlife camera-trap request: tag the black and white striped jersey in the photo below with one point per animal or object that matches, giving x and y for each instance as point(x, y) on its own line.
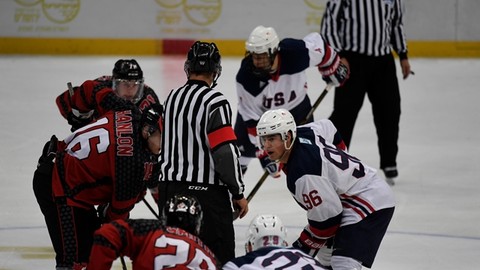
point(198, 142)
point(369, 27)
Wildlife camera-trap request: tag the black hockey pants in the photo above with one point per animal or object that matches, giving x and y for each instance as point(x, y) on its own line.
point(70, 228)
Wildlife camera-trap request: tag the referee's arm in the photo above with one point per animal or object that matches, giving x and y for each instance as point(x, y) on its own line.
point(225, 152)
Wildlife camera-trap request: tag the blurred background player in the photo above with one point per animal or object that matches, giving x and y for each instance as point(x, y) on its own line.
point(344, 198)
point(199, 154)
point(169, 243)
point(266, 248)
point(82, 105)
point(273, 75)
point(108, 162)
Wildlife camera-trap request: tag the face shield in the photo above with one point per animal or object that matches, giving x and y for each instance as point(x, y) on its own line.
point(131, 90)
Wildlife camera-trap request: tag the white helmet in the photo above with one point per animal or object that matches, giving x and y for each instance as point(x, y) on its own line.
point(265, 231)
point(262, 40)
point(279, 121)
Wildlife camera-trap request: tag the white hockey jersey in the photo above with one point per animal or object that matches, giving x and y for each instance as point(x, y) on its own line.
point(334, 187)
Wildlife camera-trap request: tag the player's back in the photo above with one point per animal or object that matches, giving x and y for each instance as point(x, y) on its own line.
point(273, 258)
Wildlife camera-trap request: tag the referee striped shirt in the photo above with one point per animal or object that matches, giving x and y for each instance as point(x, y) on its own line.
point(369, 27)
point(197, 125)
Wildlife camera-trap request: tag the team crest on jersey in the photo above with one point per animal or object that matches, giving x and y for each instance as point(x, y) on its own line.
point(305, 141)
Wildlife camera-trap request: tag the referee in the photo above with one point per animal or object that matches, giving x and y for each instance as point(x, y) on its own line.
point(365, 32)
point(199, 155)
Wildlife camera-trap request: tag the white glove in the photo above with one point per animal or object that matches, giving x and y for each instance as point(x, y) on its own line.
point(272, 167)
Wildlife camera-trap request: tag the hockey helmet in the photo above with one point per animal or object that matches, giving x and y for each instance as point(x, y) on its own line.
point(264, 231)
point(127, 69)
point(279, 121)
point(262, 47)
point(262, 40)
point(127, 74)
point(203, 57)
point(185, 212)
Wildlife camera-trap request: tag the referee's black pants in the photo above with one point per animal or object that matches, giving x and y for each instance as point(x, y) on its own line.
point(376, 77)
point(217, 230)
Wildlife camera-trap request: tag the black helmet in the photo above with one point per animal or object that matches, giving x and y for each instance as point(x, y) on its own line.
point(127, 69)
point(203, 57)
point(183, 211)
point(152, 117)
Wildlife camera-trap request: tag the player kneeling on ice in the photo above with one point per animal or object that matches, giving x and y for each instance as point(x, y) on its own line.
point(346, 201)
point(108, 163)
point(266, 248)
point(169, 243)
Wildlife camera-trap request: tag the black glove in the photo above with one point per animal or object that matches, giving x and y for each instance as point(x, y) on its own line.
point(336, 74)
point(78, 121)
point(45, 162)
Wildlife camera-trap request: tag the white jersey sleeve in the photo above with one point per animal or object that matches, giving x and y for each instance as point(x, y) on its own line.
point(321, 54)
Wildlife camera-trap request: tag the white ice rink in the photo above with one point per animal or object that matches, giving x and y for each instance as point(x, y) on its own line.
point(436, 224)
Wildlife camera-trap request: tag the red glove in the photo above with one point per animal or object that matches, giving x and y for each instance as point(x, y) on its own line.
point(335, 74)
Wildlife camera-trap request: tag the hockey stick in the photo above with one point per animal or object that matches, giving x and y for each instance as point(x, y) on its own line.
point(124, 265)
point(151, 208)
point(310, 113)
point(75, 112)
point(70, 89)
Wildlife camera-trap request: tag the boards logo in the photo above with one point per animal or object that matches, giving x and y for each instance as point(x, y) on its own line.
point(57, 11)
point(316, 4)
point(314, 15)
point(199, 12)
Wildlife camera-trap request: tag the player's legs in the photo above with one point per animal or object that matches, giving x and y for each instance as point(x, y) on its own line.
point(42, 188)
point(75, 233)
point(361, 241)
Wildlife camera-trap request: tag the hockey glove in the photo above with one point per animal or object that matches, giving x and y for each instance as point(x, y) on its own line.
point(335, 74)
point(78, 120)
point(272, 167)
point(309, 243)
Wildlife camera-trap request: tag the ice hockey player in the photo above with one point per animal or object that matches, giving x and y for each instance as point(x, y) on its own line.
point(83, 104)
point(151, 245)
point(344, 198)
point(107, 163)
point(267, 248)
point(273, 75)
